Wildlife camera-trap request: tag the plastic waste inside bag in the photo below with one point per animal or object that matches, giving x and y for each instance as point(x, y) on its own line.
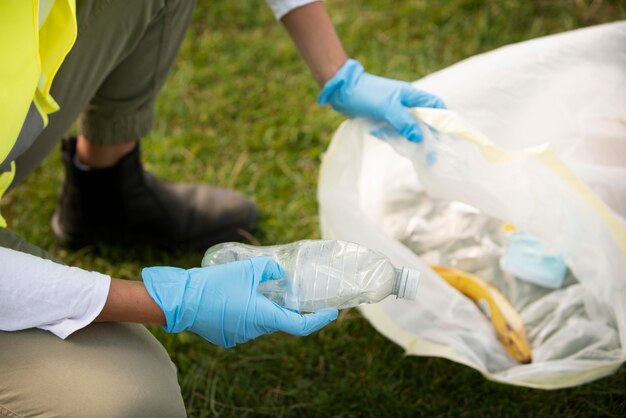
point(522, 147)
point(525, 258)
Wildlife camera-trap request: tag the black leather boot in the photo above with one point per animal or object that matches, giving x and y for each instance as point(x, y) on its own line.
point(124, 204)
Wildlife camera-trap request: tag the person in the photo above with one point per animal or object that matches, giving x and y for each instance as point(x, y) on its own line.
point(71, 343)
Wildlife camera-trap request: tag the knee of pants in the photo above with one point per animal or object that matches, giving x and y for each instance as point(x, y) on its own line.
point(112, 370)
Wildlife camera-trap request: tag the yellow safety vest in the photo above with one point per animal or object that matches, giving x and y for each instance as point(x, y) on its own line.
point(30, 57)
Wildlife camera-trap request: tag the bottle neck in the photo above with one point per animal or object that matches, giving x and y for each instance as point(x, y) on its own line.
point(396, 282)
point(399, 282)
point(405, 283)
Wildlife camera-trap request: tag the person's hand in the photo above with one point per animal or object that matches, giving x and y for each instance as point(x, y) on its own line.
point(221, 303)
point(354, 92)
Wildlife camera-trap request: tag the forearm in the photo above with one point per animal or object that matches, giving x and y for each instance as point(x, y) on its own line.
point(129, 301)
point(314, 35)
point(38, 293)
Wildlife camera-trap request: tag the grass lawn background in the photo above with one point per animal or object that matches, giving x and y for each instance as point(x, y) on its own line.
point(239, 111)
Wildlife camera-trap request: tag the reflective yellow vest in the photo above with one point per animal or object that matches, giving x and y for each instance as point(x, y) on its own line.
point(30, 57)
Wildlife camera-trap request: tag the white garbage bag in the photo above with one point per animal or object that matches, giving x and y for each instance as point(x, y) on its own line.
point(536, 137)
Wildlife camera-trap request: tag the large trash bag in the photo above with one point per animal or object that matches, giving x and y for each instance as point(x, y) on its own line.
point(536, 137)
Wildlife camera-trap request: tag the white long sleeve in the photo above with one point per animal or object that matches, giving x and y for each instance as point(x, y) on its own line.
point(282, 7)
point(38, 293)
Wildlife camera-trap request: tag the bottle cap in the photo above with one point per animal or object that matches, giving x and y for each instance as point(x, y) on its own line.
point(409, 279)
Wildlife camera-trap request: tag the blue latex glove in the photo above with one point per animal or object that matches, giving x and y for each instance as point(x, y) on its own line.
point(221, 303)
point(354, 92)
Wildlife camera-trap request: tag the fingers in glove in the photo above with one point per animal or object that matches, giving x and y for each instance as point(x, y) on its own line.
point(300, 325)
point(265, 268)
point(414, 97)
point(404, 122)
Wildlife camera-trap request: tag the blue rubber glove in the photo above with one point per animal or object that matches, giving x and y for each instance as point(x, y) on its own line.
point(354, 92)
point(221, 303)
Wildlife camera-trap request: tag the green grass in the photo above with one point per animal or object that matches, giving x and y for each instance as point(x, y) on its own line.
point(239, 111)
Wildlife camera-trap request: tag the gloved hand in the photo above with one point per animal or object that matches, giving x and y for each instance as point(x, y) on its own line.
point(221, 303)
point(354, 92)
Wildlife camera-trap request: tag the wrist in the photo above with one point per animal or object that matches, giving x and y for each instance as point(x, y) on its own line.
point(168, 288)
point(343, 78)
point(129, 301)
point(330, 69)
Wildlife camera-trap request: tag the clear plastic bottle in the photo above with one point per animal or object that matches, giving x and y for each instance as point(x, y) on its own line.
point(323, 273)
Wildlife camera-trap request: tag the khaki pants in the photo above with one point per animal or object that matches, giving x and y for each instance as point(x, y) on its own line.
point(112, 76)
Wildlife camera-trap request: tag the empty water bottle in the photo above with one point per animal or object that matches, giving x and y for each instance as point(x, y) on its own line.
point(323, 273)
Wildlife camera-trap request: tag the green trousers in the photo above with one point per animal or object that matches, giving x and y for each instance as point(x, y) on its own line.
point(109, 80)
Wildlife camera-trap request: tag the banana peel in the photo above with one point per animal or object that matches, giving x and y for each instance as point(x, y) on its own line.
point(505, 319)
